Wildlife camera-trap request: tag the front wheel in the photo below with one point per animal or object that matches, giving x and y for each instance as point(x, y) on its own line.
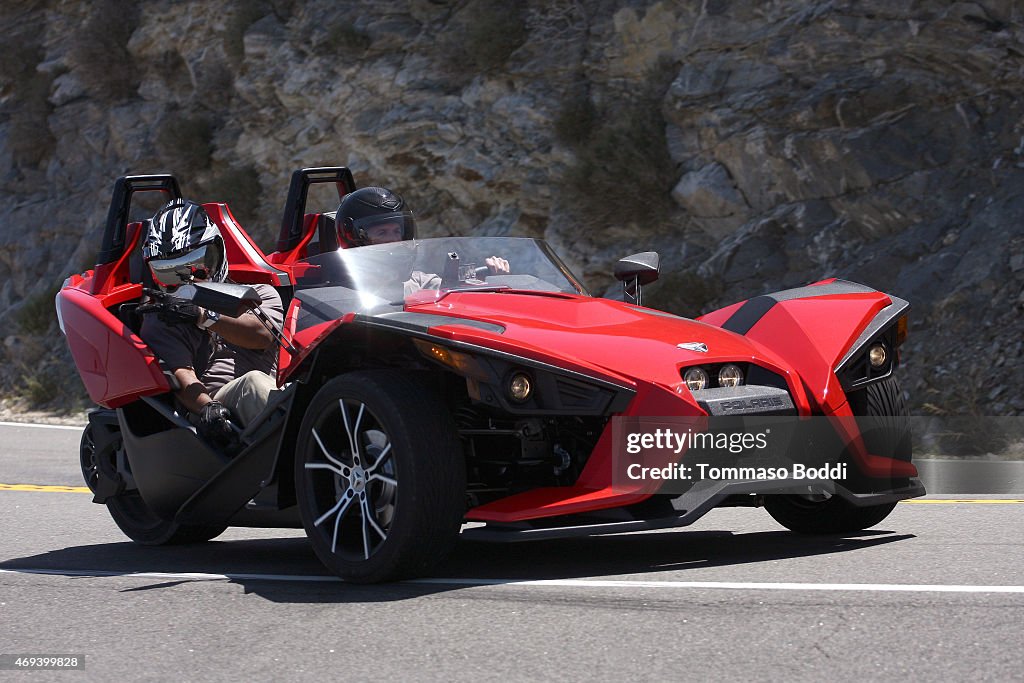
point(890, 436)
point(379, 476)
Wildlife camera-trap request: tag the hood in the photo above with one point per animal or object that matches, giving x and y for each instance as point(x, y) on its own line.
point(626, 340)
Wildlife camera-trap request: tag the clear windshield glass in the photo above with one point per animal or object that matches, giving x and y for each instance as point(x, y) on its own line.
point(388, 273)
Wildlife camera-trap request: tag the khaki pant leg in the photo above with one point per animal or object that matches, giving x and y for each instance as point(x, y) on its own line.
point(247, 396)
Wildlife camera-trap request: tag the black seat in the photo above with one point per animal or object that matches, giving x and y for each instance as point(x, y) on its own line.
point(327, 232)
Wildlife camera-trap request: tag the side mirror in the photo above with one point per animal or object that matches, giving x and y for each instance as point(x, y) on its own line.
point(224, 298)
point(637, 270)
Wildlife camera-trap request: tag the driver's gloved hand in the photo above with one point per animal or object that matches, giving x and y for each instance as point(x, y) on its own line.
point(180, 313)
point(214, 424)
point(174, 311)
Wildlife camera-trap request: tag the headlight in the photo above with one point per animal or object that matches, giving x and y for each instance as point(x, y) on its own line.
point(877, 355)
point(519, 387)
point(730, 376)
point(695, 378)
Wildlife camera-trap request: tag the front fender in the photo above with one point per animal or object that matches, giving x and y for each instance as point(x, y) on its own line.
point(823, 331)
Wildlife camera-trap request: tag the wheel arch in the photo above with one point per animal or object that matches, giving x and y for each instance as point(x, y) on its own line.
point(824, 331)
point(347, 349)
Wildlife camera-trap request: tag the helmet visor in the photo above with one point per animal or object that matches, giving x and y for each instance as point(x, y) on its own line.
point(199, 264)
point(392, 227)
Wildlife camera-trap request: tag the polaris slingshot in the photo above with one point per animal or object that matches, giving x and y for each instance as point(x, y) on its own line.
point(486, 406)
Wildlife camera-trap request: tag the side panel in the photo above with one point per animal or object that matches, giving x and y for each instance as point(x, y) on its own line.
point(299, 252)
point(117, 273)
point(116, 366)
point(248, 263)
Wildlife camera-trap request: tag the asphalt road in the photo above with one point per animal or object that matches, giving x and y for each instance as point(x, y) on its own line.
point(937, 590)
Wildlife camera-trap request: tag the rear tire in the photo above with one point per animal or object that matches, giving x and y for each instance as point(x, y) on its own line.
point(130, 512)
point(140, 524)
point(379, 476)
point(833, 515)
point(890, 436)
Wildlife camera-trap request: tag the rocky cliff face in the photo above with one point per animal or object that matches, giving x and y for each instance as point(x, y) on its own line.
point(756, 145)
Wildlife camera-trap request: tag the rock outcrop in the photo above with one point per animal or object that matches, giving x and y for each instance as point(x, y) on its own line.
point(756, 145)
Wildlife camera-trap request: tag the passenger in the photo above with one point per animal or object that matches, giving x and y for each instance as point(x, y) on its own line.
point(373, 215)
point(225, 366)
point(376, 215)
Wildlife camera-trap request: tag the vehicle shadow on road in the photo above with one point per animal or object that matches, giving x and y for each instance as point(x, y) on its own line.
point(639, 556)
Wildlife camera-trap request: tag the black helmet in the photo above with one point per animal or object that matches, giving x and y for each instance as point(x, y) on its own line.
point(183, 244)
point(374, 210)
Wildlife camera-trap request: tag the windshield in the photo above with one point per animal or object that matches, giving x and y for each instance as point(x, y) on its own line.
point(388, 273)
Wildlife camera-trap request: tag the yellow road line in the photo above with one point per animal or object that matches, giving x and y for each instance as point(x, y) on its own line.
point(38, 487)
point(912, 501)
point(976, 501)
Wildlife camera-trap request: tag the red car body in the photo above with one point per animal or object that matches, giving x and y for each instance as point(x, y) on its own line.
point(811, 338)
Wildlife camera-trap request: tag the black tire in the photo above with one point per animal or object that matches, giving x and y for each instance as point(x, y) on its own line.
point(390, 507)
point(87, 457)
point(886, 432)
point(130, 512)
point(140, 524)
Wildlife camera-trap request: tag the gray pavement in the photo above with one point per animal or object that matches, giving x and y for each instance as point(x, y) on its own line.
point(38, 454)
point(972, 476)
point(71, 583)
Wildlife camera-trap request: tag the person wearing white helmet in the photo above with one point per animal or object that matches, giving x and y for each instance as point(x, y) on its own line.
point(225, 366)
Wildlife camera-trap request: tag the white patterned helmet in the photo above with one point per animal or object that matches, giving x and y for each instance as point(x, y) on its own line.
point(183, 245)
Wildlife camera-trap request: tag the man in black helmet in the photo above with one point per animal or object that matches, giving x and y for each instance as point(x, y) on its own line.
point(373, 215)
point(376, 215)
point(225, 366)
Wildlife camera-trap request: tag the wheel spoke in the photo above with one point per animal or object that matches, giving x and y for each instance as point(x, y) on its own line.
point(366, 518)
point(327, 466)
point(382, 478)
point(370, 518)
point(346, 498)
point(341, 513)
point(384, 455)
point(352, 433)
point(359, 418)
point(327, 454)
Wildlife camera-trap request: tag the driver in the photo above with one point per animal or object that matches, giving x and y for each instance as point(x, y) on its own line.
point(225, 366)
point(376, 215)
